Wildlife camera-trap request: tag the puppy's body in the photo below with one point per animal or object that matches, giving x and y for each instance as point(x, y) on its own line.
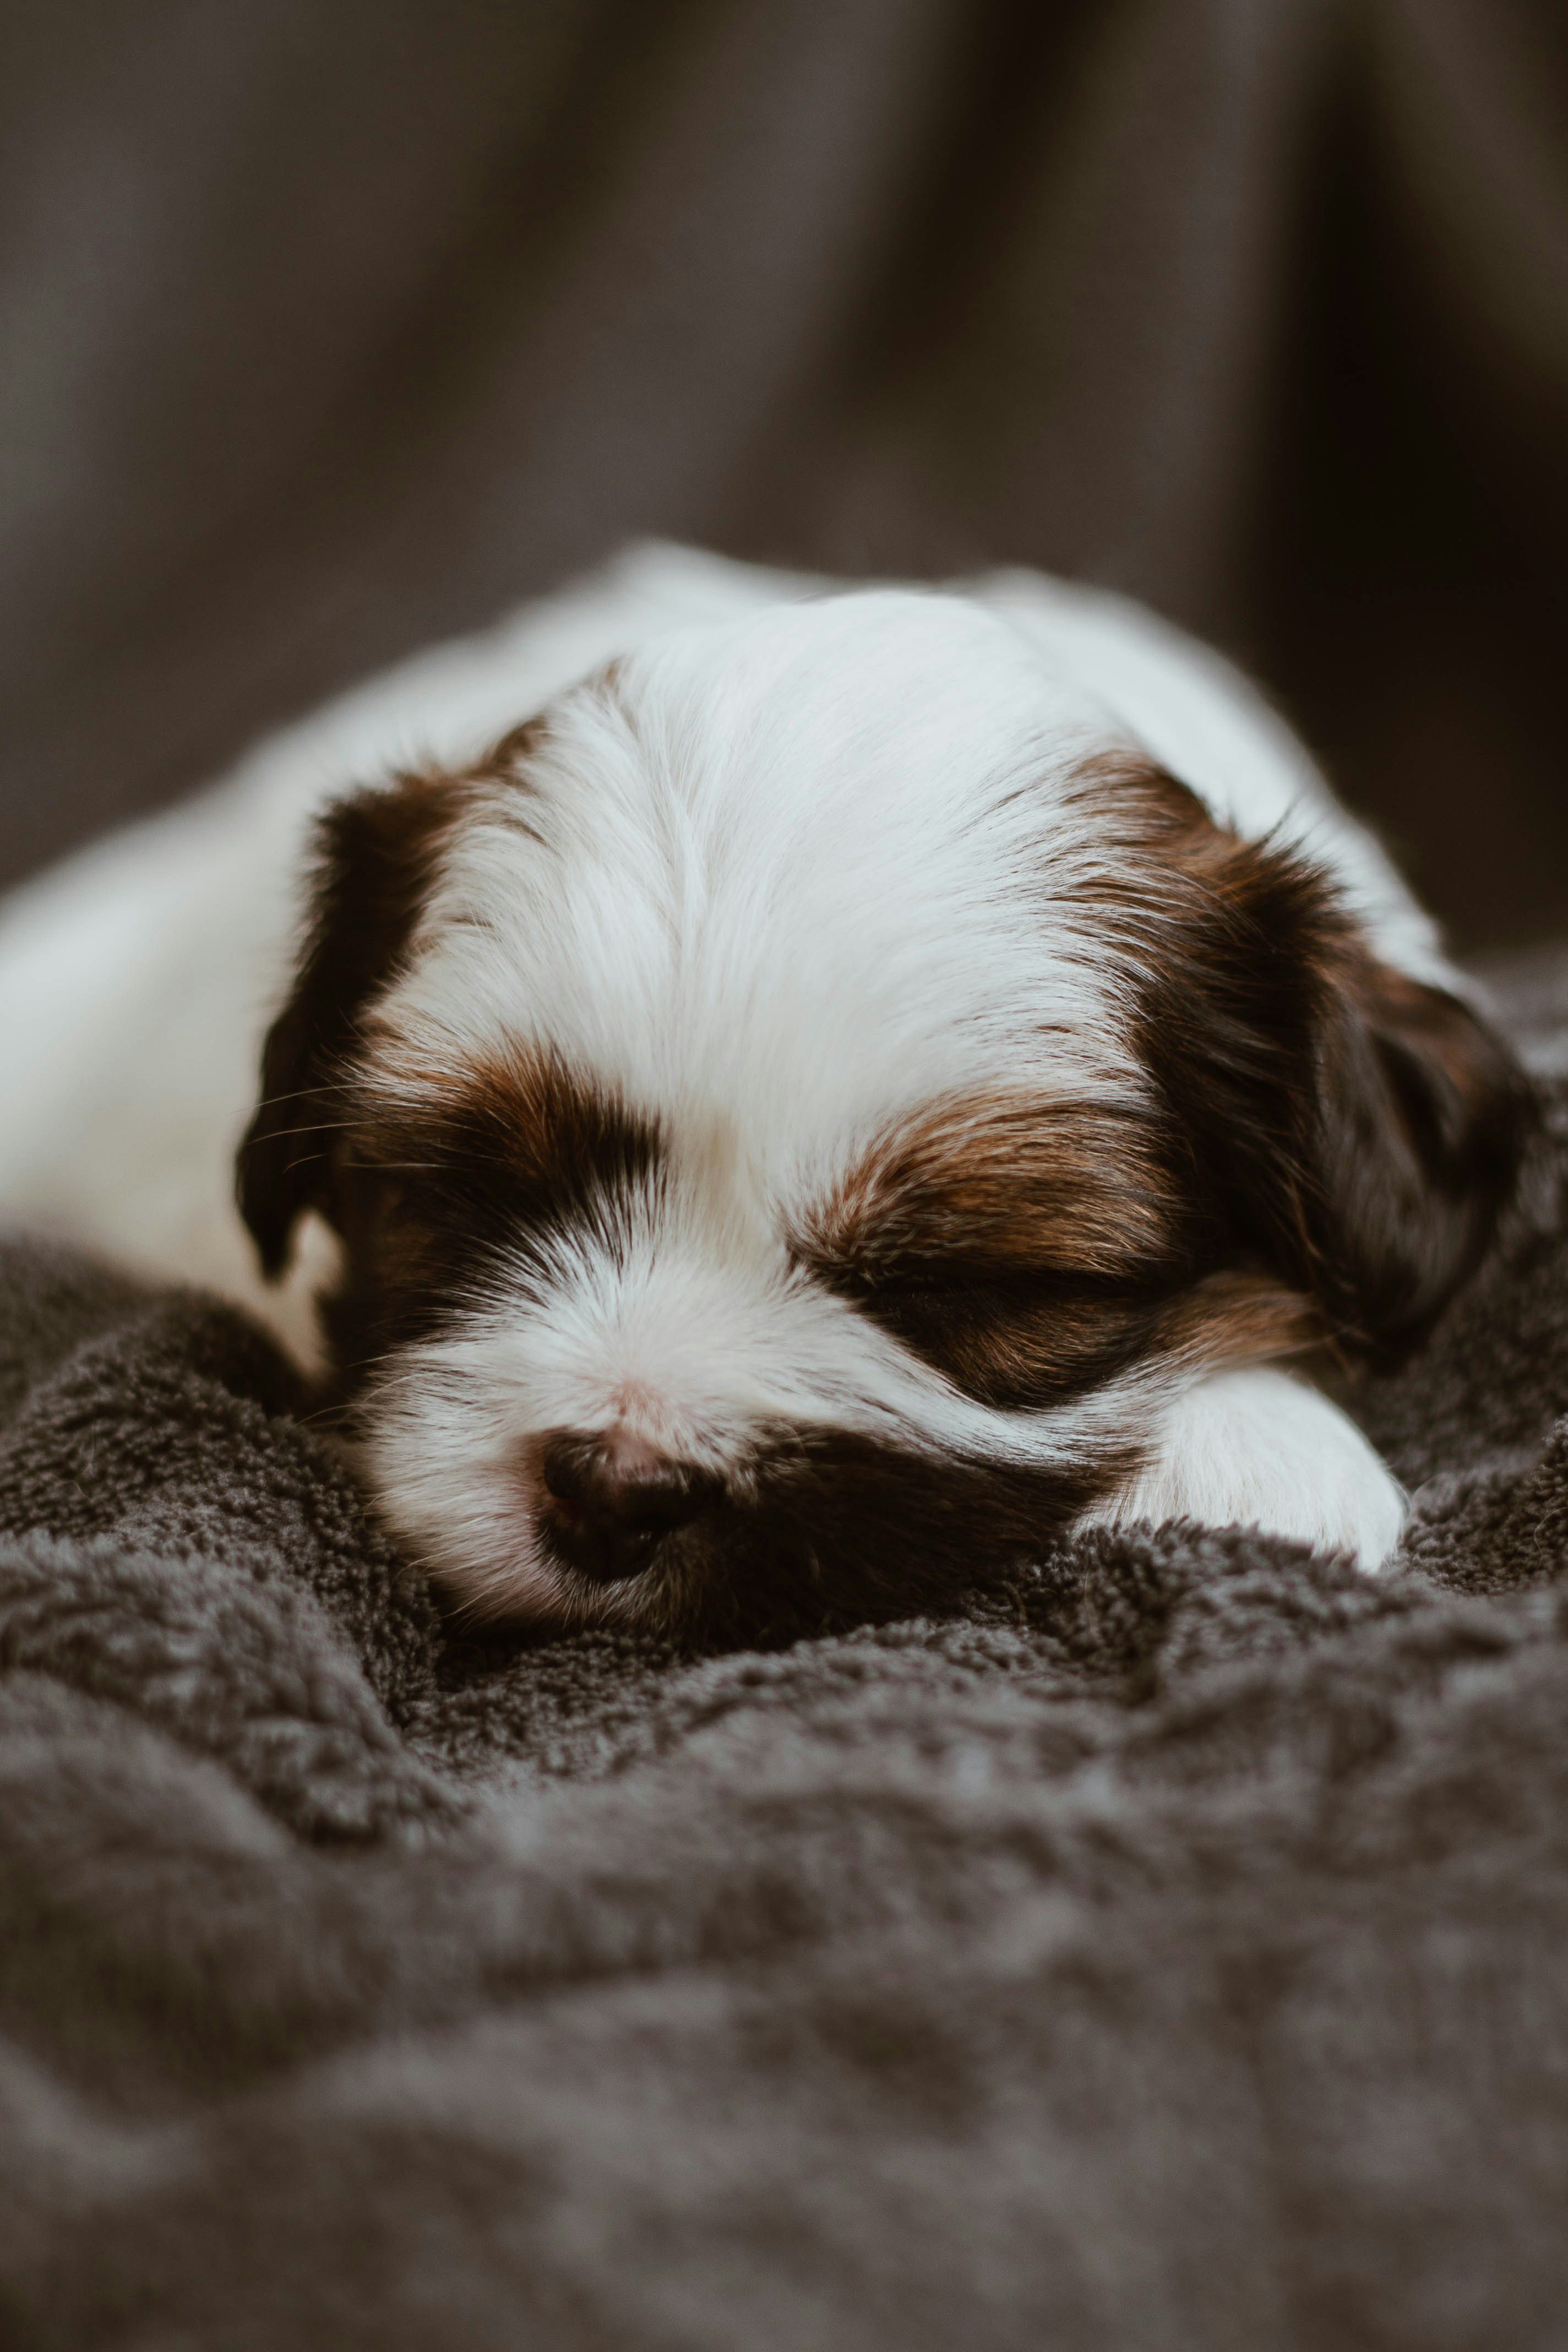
point(860, 1081)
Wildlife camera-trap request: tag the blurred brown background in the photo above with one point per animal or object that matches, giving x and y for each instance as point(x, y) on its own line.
point(327, 327)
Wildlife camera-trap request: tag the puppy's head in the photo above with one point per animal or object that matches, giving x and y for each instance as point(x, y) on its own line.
point(794, 1111)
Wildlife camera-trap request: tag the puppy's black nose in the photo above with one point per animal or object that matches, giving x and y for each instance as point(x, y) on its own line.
point(612, 1506)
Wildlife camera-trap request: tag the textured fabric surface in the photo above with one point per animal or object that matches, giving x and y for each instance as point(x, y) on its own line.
point(331, 326)
point(1164, 1948)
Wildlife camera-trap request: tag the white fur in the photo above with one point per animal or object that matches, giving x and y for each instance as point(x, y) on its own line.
point(1255, 1446)
point(803, 868)
point(797, 875)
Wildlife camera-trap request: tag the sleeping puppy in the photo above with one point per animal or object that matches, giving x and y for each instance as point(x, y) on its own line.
point(841, 1088)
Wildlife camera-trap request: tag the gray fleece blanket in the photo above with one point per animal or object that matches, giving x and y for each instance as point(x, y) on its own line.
point(1166, 1946)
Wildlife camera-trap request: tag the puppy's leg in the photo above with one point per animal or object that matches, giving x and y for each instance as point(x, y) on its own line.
point(1256, 1446)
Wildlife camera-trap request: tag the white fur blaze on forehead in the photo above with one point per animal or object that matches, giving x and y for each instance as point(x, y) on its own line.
point(808, 870)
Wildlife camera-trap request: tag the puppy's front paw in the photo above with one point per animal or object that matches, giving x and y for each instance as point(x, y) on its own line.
point(1254, 1446)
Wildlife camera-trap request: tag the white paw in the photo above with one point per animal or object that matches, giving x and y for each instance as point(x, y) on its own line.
point(1255, 1446)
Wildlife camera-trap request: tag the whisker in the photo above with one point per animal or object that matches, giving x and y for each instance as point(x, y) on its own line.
point(316, 1127)
point(322, 1086)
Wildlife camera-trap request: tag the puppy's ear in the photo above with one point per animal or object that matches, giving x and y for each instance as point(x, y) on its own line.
point(1359, 1130)
point(1422, 1115)
point(375, 855)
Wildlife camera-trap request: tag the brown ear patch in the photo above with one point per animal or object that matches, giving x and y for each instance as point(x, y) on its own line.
point(1421, 1123)
point(1325, 1152)
point(1356, 1130)
point(376, 854)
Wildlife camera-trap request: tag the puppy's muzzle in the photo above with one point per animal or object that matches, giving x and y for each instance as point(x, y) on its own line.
point(610, 1506)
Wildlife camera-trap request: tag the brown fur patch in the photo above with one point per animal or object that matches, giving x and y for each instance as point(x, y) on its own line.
point(1325, 1148)
point(505, 761)
point(1355, 1130)
point(1024, 1247)
point(439, 1180)
point(1007, 1180)
point(376, 856)
point(1239, 1317)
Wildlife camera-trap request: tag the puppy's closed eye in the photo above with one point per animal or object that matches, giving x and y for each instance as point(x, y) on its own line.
point(1015, 1338)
